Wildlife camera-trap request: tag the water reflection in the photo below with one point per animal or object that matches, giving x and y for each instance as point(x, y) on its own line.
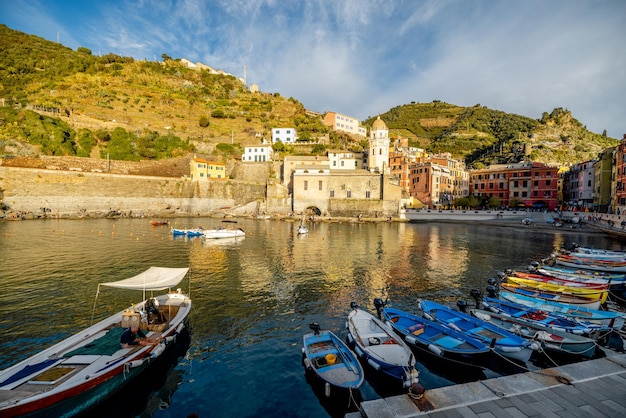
point(253, 299)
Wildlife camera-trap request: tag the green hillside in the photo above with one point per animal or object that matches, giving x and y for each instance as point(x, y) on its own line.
point(56, 101)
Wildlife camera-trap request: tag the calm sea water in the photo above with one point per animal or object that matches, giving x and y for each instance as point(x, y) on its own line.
point(253, 298)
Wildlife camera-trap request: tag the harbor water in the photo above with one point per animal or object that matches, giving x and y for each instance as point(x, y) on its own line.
point(253, 298)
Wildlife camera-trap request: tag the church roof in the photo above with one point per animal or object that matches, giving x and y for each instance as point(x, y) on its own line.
point(379, 125)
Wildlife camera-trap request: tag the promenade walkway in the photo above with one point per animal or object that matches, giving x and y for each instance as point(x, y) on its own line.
point(595, 388)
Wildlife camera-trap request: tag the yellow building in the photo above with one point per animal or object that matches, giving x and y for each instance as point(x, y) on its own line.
point(201, 169)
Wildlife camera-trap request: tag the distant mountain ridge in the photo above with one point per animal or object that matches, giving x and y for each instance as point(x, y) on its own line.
point(56, 101)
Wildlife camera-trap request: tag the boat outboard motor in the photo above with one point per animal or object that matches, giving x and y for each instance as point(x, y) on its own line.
point(492, 292)
point(462, 305)
point(379, 304)
point(534, 265)
point(354, 305)
point(477, 296)
point(315, 327)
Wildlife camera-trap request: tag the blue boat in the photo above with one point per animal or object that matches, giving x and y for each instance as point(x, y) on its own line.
point(195, 232)
point(608, 318)
point(541, 317)
point(503, 342)
point(335, 366)
point(436, 339)
point(382, 349)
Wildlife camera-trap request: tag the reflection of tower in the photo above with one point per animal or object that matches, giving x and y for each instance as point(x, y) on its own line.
point(378, 159)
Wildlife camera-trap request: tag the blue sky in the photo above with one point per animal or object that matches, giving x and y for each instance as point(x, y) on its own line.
point(363, 57)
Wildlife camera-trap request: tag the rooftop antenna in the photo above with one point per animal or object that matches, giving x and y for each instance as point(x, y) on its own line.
point(244, 75)
point(58, 38)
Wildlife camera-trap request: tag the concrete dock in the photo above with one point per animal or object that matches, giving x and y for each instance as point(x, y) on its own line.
point(594, 388)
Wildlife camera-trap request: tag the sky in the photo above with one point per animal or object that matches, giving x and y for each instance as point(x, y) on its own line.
point(364, 57)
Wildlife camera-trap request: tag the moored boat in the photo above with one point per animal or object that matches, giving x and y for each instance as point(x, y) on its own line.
point(551, 296)
point(302, 230)
point(608, 318)
point(590, 263)
point(503, 342)
point(227, 229)
point(194, 232)
point(554, 340)
point(378, 346)
point(549, 285)
point(333, 363)
point(575, 274)
point(84, 369)
point(436, 339)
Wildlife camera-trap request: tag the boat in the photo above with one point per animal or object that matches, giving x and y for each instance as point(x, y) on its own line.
point(590, 252)
point(501, 341)
point(539, 316)
point(590, 263)
point(436, 339)
point(551, 296)
point(551, 339)
point(227, 229)
point(159, 223)
point(194, 232)
point(81, 371)
point(332, 362)
point(383, 350)
point(548, 285)
point(302, 230)
point(608, 318)
point(580, 274)
point(590, 283)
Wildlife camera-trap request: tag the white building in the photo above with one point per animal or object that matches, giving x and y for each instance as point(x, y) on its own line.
point(257, 153)
point(339, 122)
point(345, 160)
point(378, 155)
point(284, 135)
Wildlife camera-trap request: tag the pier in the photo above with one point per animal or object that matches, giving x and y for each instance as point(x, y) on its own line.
point(595, 388)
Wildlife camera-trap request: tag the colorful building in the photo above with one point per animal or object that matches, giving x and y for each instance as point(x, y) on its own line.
point(202, 169)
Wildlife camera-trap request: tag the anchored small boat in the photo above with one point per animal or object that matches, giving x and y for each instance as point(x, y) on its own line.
point(332, 362)
point(436, 339)
point(84, 369)
point(377, 345)
point(227, 229)
point(503, 342)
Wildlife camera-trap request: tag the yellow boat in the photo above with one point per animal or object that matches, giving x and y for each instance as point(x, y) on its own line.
point(593, 294)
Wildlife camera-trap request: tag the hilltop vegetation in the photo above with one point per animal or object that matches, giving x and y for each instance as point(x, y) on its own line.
point(63, 102)
point(482, 136)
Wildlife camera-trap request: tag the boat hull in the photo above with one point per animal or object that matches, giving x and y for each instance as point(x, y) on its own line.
point(54, 378)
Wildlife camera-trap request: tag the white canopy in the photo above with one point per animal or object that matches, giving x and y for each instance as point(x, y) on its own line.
point(155, 278)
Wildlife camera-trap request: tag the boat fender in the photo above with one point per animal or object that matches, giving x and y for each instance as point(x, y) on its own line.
point(436, 350)
point(327, 390)
point(307, 364)
point(374, 365)
point(535, 347)
point(347, 327)
point(135, 363)
point(157, 351)
point(358, 350)
point(180, 327)
point(171, 338)
point(410, 340)
point(350, 339)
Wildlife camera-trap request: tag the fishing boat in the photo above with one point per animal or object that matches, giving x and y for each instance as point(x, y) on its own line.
point(591, 283)
point(539, 316)
point(227, 229)
point(159, 223)
point(590, 263)
point(332, 362)
point(590, 252)
point(81, 371)
point(607, 318)
point(503, 342)
point(436, 339)
point(550, 338)
point(382, 349)
point(600, 294)
point(580, 274)
point(551, 296)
